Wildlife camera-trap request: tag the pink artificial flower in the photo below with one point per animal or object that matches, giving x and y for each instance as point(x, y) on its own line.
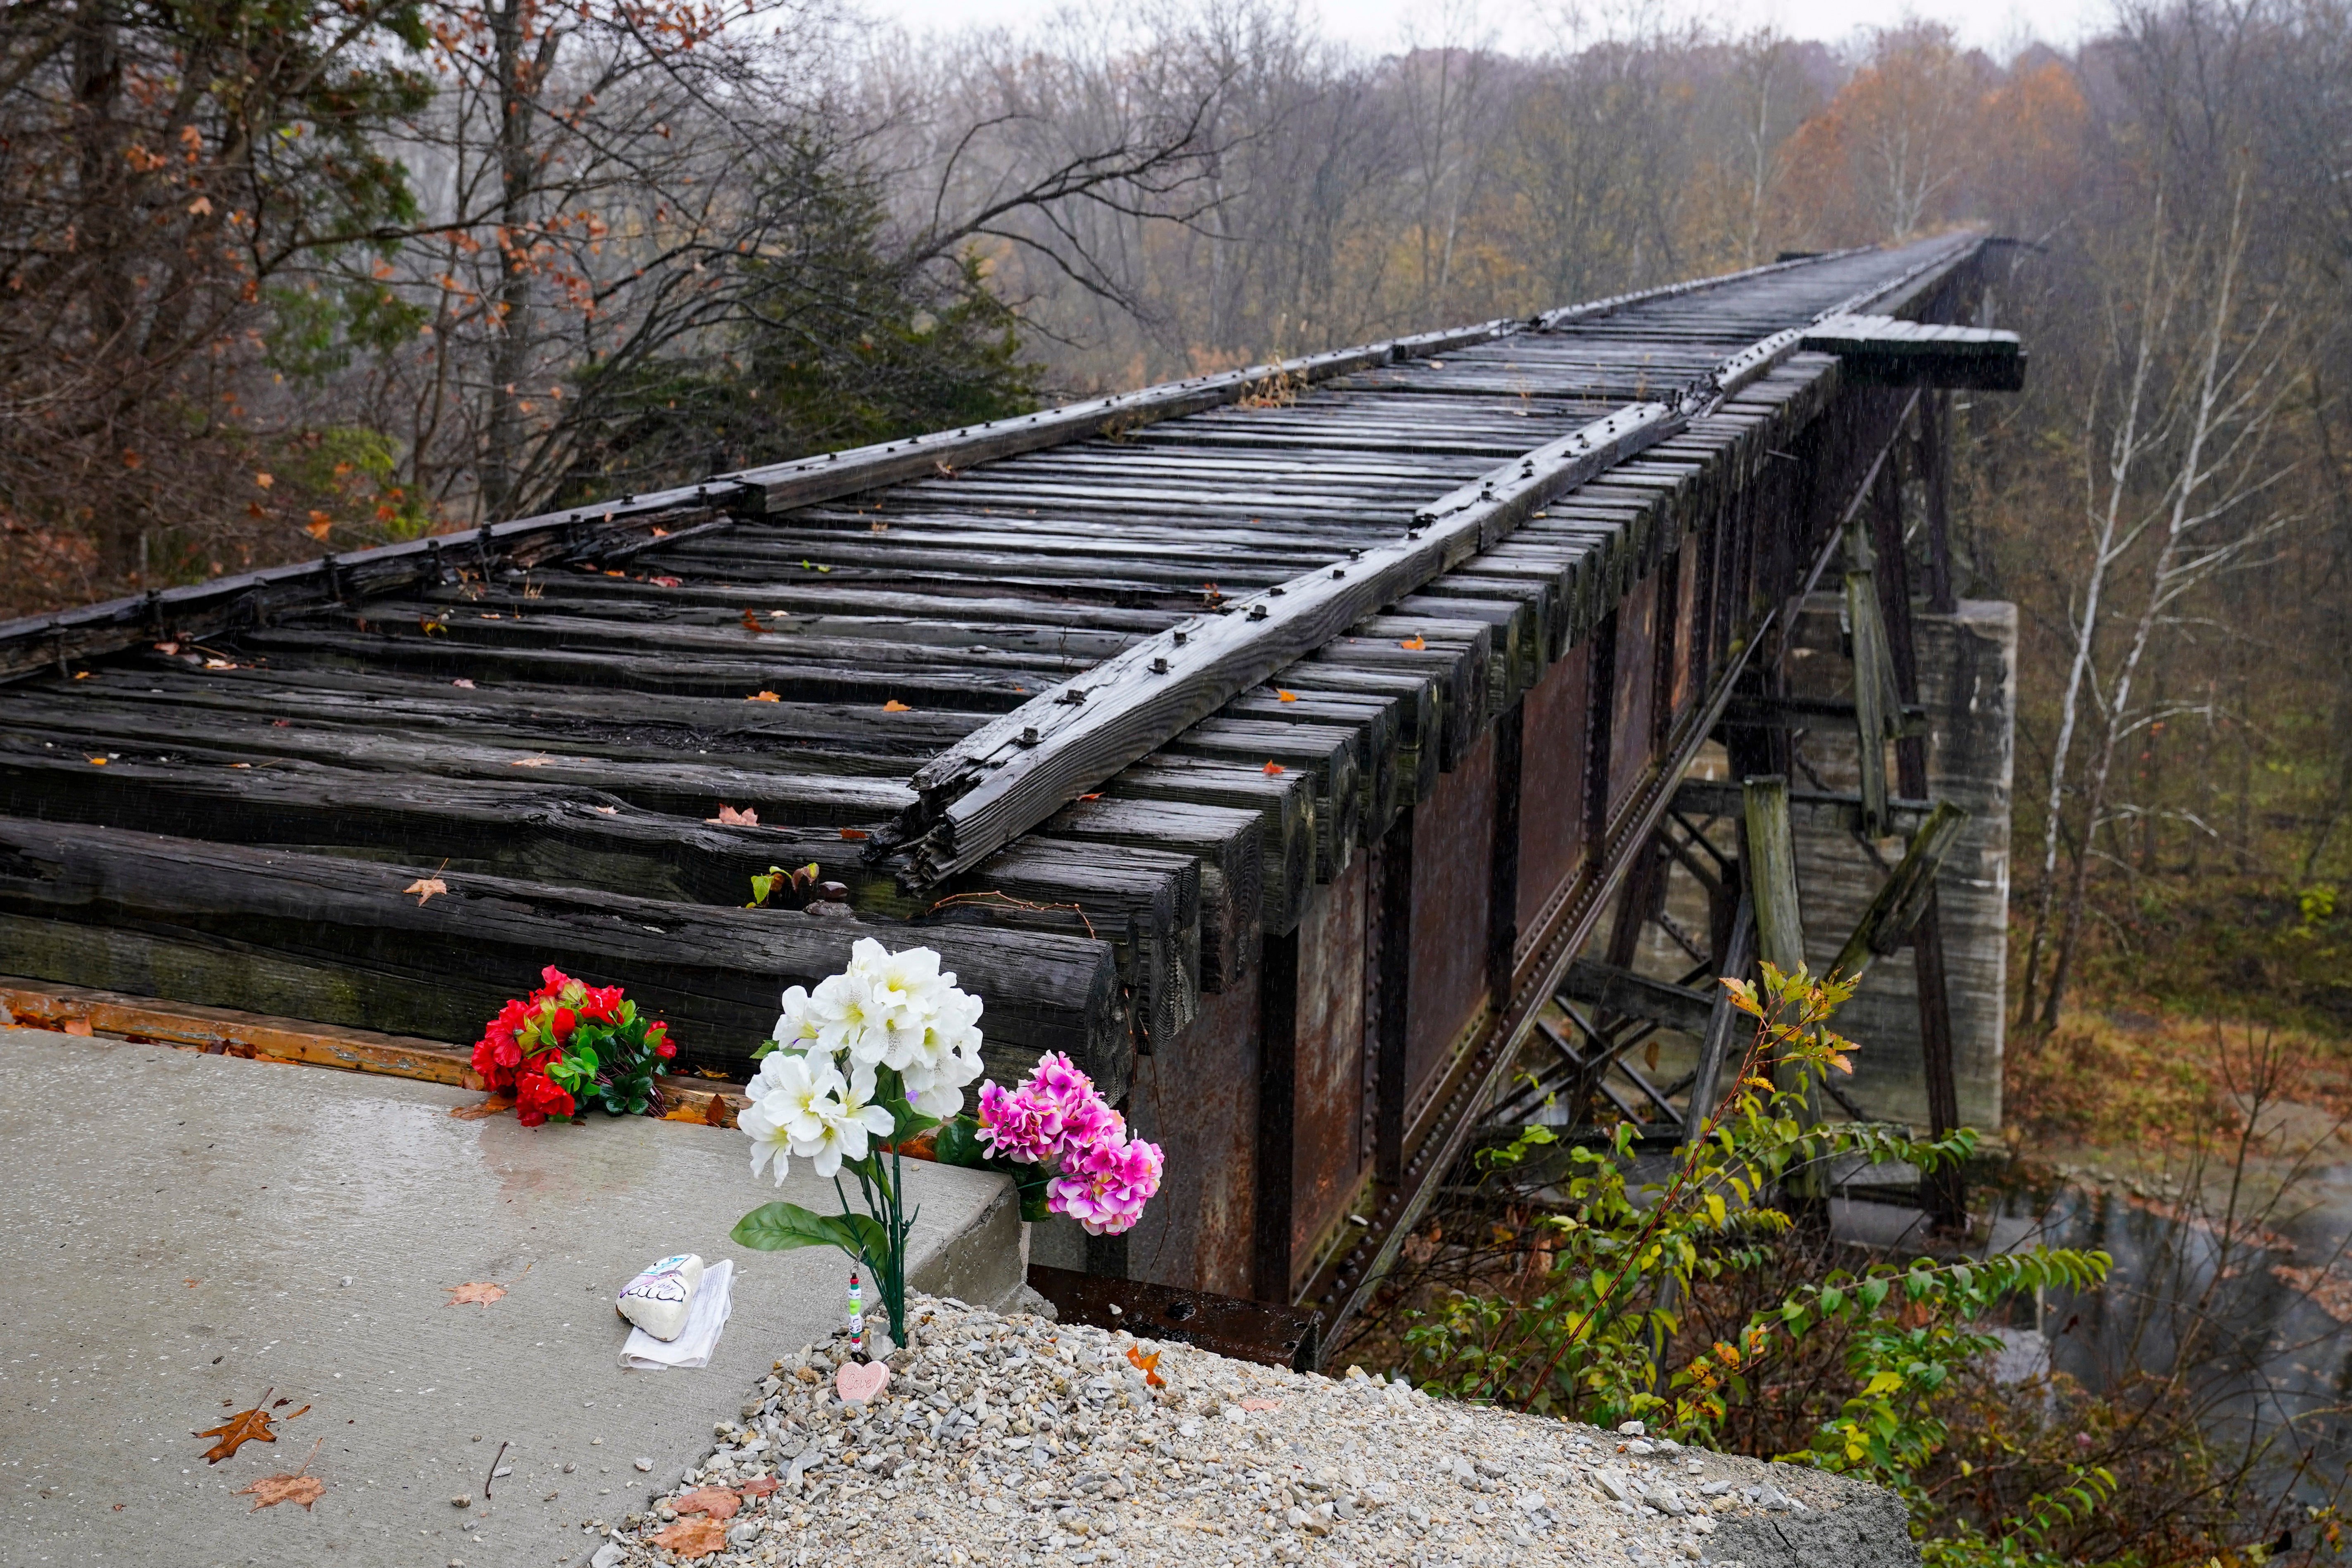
point(1018, 1123)
point(1058, 1079)
point(1104, 1187)
point(1084, 1118)
point(1088, 1125)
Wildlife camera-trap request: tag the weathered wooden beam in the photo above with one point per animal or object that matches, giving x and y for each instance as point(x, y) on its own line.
point(1887, 920)
point(338, 940)
point(1722, 798)
point(1285, 805)
point(1225, 843)
point(231, 1031)
point(1884, 350)
point(1610, 988)
point(243, 599)
point(782, 487)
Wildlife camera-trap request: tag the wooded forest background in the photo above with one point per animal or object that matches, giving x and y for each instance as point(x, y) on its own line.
point(289, 276)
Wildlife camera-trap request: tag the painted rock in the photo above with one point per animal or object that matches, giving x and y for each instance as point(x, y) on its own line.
point(858, 1382)
point(656, 1301)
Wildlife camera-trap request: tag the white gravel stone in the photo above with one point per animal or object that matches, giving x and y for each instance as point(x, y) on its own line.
point(1019, 1442)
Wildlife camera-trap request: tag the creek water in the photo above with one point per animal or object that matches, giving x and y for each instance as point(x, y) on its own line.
point(2246, 1305)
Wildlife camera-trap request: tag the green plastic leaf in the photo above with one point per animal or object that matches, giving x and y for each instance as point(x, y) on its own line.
point(959, 1143)
point(787, 1227)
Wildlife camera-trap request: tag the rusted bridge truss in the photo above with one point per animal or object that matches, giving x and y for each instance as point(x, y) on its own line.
point(1273, 743)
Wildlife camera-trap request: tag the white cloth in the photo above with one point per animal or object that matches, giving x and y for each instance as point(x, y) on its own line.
point(712, 1302)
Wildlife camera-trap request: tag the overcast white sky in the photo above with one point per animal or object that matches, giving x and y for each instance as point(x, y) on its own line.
point(1999, 26)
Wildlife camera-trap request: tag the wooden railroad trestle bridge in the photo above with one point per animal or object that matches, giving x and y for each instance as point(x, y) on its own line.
point(1274, 743)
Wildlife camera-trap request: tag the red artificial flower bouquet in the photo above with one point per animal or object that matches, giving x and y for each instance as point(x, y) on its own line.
point(569, 1046)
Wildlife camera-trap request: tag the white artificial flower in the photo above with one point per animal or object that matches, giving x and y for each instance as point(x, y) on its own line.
point(770, 1140)
point(843, 1124)
point(794, 1031)
point(842, 1016)
point(946, 1056)
point(940, 1100)
point(794, 1090)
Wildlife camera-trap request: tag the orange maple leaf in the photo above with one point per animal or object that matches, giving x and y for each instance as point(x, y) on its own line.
point(1415, 644)
point(1286, 696)
point(474, 1293)
point(424, 887)
point(764, 698)
point(751, 624)
point(244, 1426)
point(895, 705)
point(1147, 1365)
point(728, 817)
point(1272, 768)
point(717, 1501)
point(696, 1536)
point(271, 1491)
point(854, 833)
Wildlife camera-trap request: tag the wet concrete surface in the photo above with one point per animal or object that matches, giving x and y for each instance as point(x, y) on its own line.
point(187, 1233)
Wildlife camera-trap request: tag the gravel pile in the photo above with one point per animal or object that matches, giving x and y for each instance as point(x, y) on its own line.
point(1014, 1440)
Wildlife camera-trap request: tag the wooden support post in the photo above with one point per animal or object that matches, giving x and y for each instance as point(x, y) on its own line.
point(1767, 855)
point(1944, 1193)
point(1877, 702)
point(1738, 962)
point(1277, 1090)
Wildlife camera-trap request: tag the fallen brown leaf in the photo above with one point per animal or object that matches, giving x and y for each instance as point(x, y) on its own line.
point(854, 833)
point(530, 762)
point(895, 705)
point(424, 887)
point(728, 817)
point(271, 1491)
point(244, 1426)
point(474, 1293)
point(717, 1501)
point(751, 624)
point(759, 1486)
point(79, 1026)
point(696, 1536)
point(481, 1108)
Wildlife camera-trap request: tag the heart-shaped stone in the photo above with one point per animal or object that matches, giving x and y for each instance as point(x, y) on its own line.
point(858, 1382)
